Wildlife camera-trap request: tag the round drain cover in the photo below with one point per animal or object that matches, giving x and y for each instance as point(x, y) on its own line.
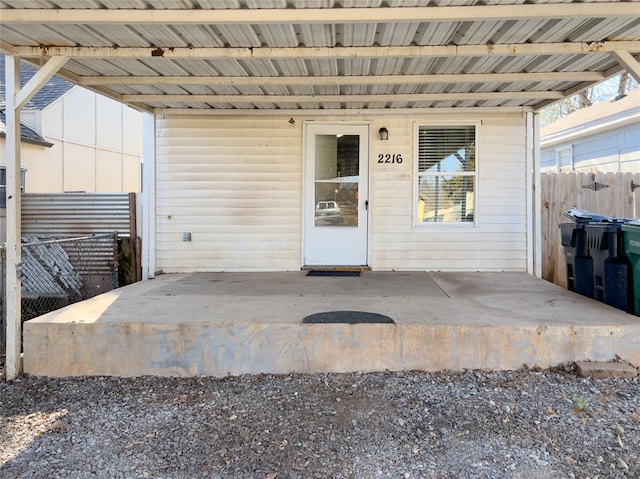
point(348, 317)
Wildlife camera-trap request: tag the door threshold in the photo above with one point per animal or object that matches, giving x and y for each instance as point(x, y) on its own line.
point(342, 269)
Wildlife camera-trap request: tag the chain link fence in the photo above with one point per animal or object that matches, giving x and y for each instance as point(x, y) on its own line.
point(58, 271)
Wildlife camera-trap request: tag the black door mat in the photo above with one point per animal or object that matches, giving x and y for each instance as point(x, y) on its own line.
point(333, 273)
point(348, 317)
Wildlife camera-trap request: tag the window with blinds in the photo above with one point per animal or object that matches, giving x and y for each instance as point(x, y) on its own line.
point(3, 185)
point(447, 174)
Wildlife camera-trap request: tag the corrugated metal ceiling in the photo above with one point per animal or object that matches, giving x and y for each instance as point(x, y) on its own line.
point(301, 64)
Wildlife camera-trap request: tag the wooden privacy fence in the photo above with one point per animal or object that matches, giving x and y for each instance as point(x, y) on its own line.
point(609, 194)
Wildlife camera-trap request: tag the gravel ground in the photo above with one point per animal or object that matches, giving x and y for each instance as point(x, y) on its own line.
point(525, 424)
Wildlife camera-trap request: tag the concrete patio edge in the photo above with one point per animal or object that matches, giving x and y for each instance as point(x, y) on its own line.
point(205, 349)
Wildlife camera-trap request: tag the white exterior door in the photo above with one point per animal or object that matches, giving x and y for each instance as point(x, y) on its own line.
point(336, 195)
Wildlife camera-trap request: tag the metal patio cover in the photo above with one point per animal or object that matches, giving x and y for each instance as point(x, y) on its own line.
point(230, 56)
point(327, 54)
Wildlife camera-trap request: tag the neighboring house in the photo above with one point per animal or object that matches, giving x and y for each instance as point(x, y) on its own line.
point(604, 137)
point(419, 122)
point(32, 144)
point(75, 140)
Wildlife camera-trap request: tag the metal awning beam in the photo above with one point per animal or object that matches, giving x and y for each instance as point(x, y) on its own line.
point(13, 290)
point(73, 78)
point(629, 62)
point(300, 112)
point(37, 81)
point(319, 15)
point(511, 49)
point(255, 99)
point(611, 72)
point(340, 80)
point(16, 98)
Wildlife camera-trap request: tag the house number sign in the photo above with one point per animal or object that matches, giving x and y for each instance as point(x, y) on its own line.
point(390, 158)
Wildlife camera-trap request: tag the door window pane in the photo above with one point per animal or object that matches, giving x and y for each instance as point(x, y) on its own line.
point(337, 163)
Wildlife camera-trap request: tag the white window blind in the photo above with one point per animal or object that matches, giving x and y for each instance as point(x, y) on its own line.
point(446, 174)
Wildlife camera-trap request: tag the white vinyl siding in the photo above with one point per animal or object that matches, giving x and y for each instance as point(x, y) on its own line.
point(497, 243)
point(236, 185)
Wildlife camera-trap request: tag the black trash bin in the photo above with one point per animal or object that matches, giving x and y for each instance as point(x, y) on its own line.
point(579, 264)
point(612, 280)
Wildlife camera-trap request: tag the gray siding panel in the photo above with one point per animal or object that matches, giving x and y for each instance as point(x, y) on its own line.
point(548, 160)
point(617, 150)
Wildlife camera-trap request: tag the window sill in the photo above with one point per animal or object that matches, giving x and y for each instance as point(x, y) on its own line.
point(445, 228)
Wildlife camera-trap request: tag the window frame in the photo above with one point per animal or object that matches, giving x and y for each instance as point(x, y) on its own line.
point(3, 184)
point(558, 152)
point(441, 226)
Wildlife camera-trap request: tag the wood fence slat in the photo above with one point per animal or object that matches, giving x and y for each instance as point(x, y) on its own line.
point(560, 199)
point(548, 263)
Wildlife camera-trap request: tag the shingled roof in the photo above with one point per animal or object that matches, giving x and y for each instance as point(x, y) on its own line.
point(51, 91)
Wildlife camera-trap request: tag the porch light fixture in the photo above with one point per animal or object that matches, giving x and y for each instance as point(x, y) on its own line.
point(384, 133)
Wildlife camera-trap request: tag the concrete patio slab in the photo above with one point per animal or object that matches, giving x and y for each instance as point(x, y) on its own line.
point(237, 323)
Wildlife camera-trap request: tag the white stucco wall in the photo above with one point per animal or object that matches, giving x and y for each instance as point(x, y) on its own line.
point(97, 146)
point(236, 185)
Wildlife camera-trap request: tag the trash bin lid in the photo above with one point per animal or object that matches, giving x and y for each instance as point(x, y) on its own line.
point(582, 216)
point(634, 223)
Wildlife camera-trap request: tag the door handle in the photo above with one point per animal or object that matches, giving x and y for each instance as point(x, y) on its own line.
point(366, 205)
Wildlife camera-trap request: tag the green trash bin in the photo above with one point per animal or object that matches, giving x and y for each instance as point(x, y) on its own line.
point(632, 249)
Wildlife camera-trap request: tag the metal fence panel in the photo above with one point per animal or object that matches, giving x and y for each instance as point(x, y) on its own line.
point(76, 213)
point(57, 271)
point(82, 266)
